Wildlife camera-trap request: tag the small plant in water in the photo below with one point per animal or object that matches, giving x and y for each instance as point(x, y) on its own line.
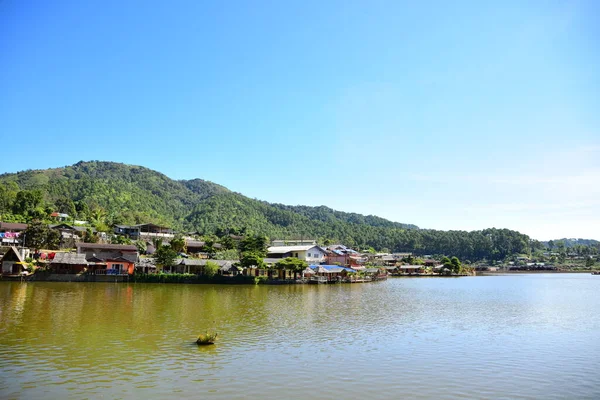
point(207, 338)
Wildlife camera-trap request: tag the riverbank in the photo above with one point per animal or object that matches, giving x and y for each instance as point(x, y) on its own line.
point(492, 273)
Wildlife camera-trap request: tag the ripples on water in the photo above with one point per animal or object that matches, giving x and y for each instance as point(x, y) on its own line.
point(525, 336)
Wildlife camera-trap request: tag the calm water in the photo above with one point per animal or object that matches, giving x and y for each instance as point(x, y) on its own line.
point(525, 336)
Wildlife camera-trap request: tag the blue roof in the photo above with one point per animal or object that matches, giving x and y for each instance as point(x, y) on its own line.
point(330, 267)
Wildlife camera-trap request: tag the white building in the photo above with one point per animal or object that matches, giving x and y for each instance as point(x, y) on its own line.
point(309, 253)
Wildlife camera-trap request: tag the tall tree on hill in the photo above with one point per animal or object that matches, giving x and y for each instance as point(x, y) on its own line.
point(39, 236)
point(165, 257)
point(178, 244)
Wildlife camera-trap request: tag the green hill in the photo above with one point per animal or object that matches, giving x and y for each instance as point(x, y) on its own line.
point(107, 193)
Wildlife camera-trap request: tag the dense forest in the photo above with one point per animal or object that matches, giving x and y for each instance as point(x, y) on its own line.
point(107, 193)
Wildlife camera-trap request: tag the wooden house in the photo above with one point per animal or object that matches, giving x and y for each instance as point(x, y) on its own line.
point(12, 262)
point(68, 263)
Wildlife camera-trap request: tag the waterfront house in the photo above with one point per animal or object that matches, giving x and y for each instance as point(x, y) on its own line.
point(109, 259)
point(12, 262)
point(309, 253)
point(332, 272)
point(376, 273)
point(68, 263)
point(342, 255)
point(10, 232)
point(410, 269)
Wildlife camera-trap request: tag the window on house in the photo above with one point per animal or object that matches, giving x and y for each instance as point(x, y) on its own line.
point(309, 255)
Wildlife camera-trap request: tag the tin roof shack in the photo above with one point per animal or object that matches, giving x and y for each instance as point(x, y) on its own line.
point(12, 262)
point(333, 273)
point(68, 263)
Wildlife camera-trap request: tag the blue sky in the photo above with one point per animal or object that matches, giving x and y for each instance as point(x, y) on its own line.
point(448, 115)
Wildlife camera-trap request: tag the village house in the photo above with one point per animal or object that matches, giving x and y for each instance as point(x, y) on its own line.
point(294, 242)
point(70, 234)
point(144, 231)
point(310, 253)
point(332, 272)
point(12, 262)
point(10, 232)
point(109, 259)
point(68, 263)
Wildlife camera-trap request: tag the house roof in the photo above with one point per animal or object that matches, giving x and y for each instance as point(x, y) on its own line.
point(69, 258)
point(331, 269)
point(15, 251)
point(96, 246)
point(71, 227)
point(196, 261)
point(13, 226)
point(287, 249)
point(128, 257)
point(192, 261)
point(371, 270)
point(150, 225)
point(117, 256)
point(194, 243)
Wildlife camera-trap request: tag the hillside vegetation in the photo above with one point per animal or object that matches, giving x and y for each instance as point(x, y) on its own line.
point(107, 193)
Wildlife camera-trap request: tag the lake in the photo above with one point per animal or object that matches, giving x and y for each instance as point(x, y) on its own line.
point(515, 336)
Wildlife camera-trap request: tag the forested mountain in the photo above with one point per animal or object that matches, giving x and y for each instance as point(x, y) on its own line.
point(568, 243)
point(107, 193)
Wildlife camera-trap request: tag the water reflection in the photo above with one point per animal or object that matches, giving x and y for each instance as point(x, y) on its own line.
point(420, 338)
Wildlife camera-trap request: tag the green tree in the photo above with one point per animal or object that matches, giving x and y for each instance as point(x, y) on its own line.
point(291, 264)
point(456, 264)
point(119, 239)
point(157, 243)
point(39, 236)
point(230, 254)
point(227, 242)
point(255, 244)
point(165, 257)
point(141, 246)
point(210, 269)
point(209, 247)
point(251, 259)
point(178, 244)
point(589, 262)
point(8, 195)
point(89, 236)
point(27, 201)
point(65, 205)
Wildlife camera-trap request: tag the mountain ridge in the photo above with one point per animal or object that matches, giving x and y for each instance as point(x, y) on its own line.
point(107, 193)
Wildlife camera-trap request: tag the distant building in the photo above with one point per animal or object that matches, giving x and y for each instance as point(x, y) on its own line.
point(293, 242)
point(309, 253)
point(144, 231)
point(10, 232)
